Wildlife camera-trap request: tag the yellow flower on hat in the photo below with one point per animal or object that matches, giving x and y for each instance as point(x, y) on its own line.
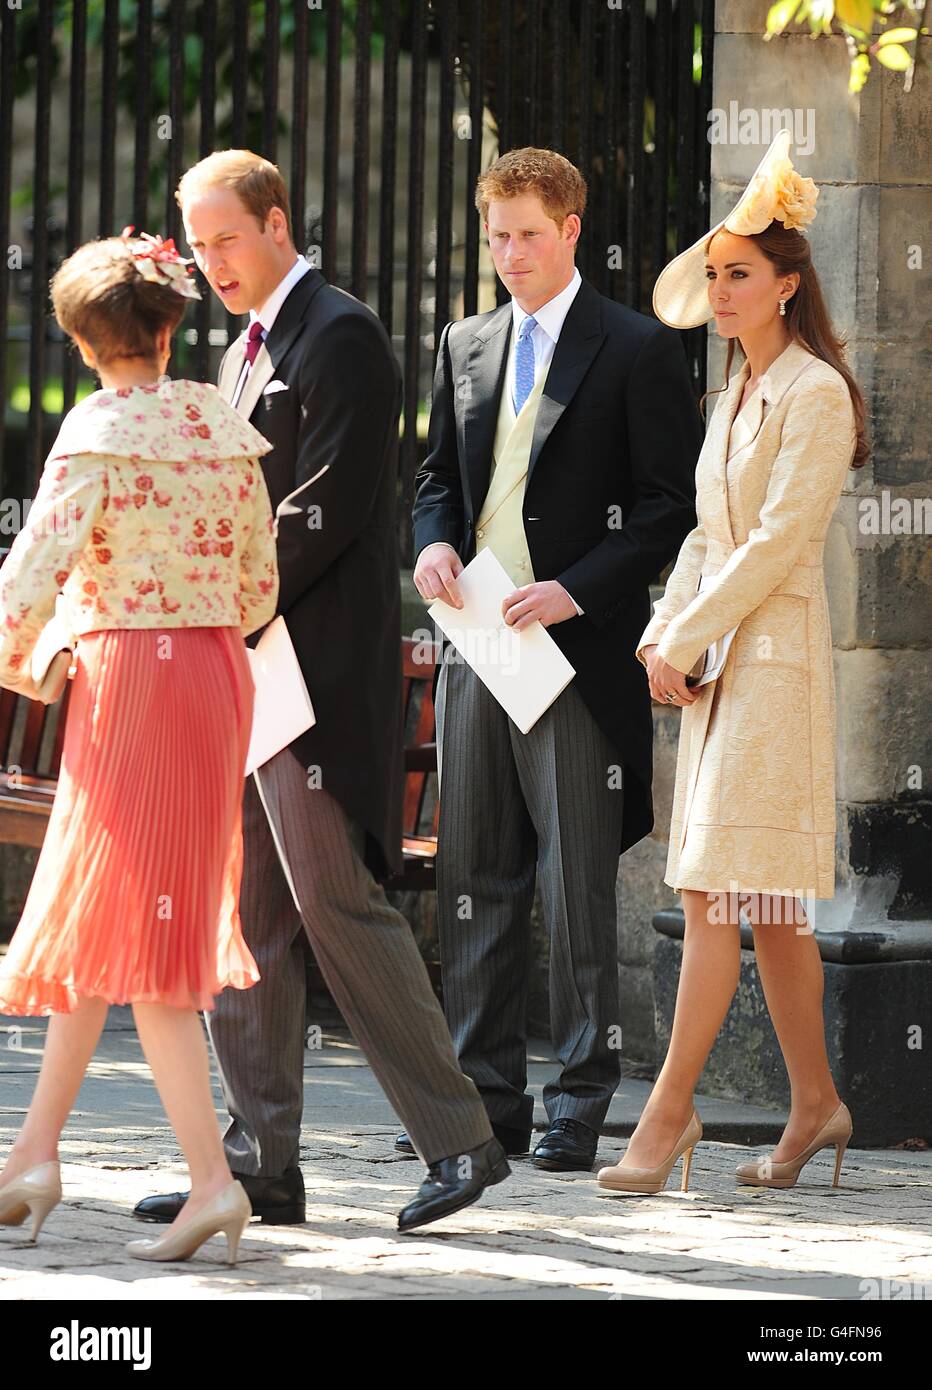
point(796, 197)
point(779, 192)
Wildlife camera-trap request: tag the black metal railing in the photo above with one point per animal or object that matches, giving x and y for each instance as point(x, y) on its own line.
point(381, 116)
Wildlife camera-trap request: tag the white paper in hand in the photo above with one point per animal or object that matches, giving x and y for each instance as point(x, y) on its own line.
point(283, 708)
point(524, 670)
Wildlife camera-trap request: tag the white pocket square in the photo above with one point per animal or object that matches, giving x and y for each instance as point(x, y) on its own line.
point(274, 386)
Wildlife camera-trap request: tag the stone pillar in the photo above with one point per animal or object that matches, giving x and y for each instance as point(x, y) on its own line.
point(872, 159)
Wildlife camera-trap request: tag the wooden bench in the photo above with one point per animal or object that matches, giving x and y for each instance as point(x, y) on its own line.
point(421, 801)
point(31, 740)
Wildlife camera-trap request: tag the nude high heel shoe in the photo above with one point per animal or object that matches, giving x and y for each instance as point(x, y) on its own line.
point(653, 1180)
point(764, 1173)
point(34, 1193)
point(229, 1211)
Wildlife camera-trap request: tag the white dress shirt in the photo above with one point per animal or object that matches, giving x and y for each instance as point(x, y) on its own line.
point(269, 312)
point(549, 319)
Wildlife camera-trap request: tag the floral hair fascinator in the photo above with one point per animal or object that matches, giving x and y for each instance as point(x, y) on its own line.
point(775, 191)
point(159, 261)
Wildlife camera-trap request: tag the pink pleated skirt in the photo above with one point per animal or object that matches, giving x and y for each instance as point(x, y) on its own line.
point(135, 896)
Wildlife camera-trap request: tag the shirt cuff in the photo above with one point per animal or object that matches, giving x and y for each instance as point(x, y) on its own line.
point(428, 546)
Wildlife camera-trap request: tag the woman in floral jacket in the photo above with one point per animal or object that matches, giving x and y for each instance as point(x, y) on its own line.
point(153, 520)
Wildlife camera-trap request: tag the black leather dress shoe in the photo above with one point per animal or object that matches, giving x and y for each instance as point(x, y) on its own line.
point(567, 1146)
point(445, 1190)
point(515, 1142)
point(276, 1201)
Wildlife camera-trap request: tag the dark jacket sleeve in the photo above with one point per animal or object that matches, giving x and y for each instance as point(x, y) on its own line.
point(438, 505)
point(352, 438)
point(664, 440)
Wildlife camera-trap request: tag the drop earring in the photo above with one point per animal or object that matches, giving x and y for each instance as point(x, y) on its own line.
point(782, 309)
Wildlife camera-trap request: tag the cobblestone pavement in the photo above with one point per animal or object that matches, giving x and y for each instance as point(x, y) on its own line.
point(537, 1235)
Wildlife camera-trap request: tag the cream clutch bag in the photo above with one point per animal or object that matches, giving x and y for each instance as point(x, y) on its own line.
point(710, 664)
point(52, 662)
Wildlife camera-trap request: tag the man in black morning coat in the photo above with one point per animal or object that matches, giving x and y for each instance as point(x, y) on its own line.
point(315, 374)
point(599, 503)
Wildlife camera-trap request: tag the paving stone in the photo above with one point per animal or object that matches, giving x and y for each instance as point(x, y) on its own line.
point(538, 1235)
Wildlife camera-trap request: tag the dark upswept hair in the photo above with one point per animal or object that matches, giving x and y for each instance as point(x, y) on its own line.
point(807, 319)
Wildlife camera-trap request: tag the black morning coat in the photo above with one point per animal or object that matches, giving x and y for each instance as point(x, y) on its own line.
point(340, 592)
point(609, 496)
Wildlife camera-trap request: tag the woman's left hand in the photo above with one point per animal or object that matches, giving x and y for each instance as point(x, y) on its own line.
point(665, 679)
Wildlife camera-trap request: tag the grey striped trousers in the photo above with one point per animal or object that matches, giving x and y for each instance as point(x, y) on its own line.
point(517, 807)
point(303, 871)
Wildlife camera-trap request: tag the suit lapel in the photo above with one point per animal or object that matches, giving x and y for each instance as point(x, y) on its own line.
point(580, 339)
point(260, 374)
point(747, 422)
point(480, 390)
point(715, 447)
point(231, 366)
point(721, 422)
point(284, 330)
point(486, 364)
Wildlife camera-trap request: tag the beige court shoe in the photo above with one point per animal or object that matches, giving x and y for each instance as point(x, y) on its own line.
point(763, 1172)
point(229, 1211)
point(34, 1193)
point(653, 1180)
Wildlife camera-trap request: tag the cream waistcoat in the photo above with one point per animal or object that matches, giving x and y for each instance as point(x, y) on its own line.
point(501, 524)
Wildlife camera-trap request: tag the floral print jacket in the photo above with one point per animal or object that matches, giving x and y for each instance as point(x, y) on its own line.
point(152, 511)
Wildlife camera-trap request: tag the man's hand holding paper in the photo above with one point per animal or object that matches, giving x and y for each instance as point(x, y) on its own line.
point(524, 669)
point(545, 602)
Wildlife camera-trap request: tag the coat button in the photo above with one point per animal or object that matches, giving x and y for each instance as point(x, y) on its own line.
point(480, 533)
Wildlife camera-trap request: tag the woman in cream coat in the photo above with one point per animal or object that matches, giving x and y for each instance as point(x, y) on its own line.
point(753, 823)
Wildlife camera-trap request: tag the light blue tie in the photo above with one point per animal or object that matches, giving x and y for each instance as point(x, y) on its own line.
point(524, 363)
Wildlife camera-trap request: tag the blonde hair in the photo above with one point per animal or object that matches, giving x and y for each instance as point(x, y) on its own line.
point(257, 182)
point(558, 183)
point(99, 293)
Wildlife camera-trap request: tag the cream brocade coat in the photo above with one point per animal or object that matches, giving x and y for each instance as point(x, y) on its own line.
point(754, 795)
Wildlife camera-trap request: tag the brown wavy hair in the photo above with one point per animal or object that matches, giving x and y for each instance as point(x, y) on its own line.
point(558, 184)
point(99, 293)
point(807, 319)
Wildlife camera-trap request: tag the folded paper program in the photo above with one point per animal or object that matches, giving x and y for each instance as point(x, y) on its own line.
point(524, 669)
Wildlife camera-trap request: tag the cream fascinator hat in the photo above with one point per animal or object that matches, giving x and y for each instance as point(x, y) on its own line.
point(775, 190)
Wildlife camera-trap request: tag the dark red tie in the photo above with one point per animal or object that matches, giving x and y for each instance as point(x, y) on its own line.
point(254, 341)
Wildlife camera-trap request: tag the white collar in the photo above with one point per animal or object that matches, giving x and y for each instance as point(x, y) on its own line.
point(269, 311)
point(550, 316)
